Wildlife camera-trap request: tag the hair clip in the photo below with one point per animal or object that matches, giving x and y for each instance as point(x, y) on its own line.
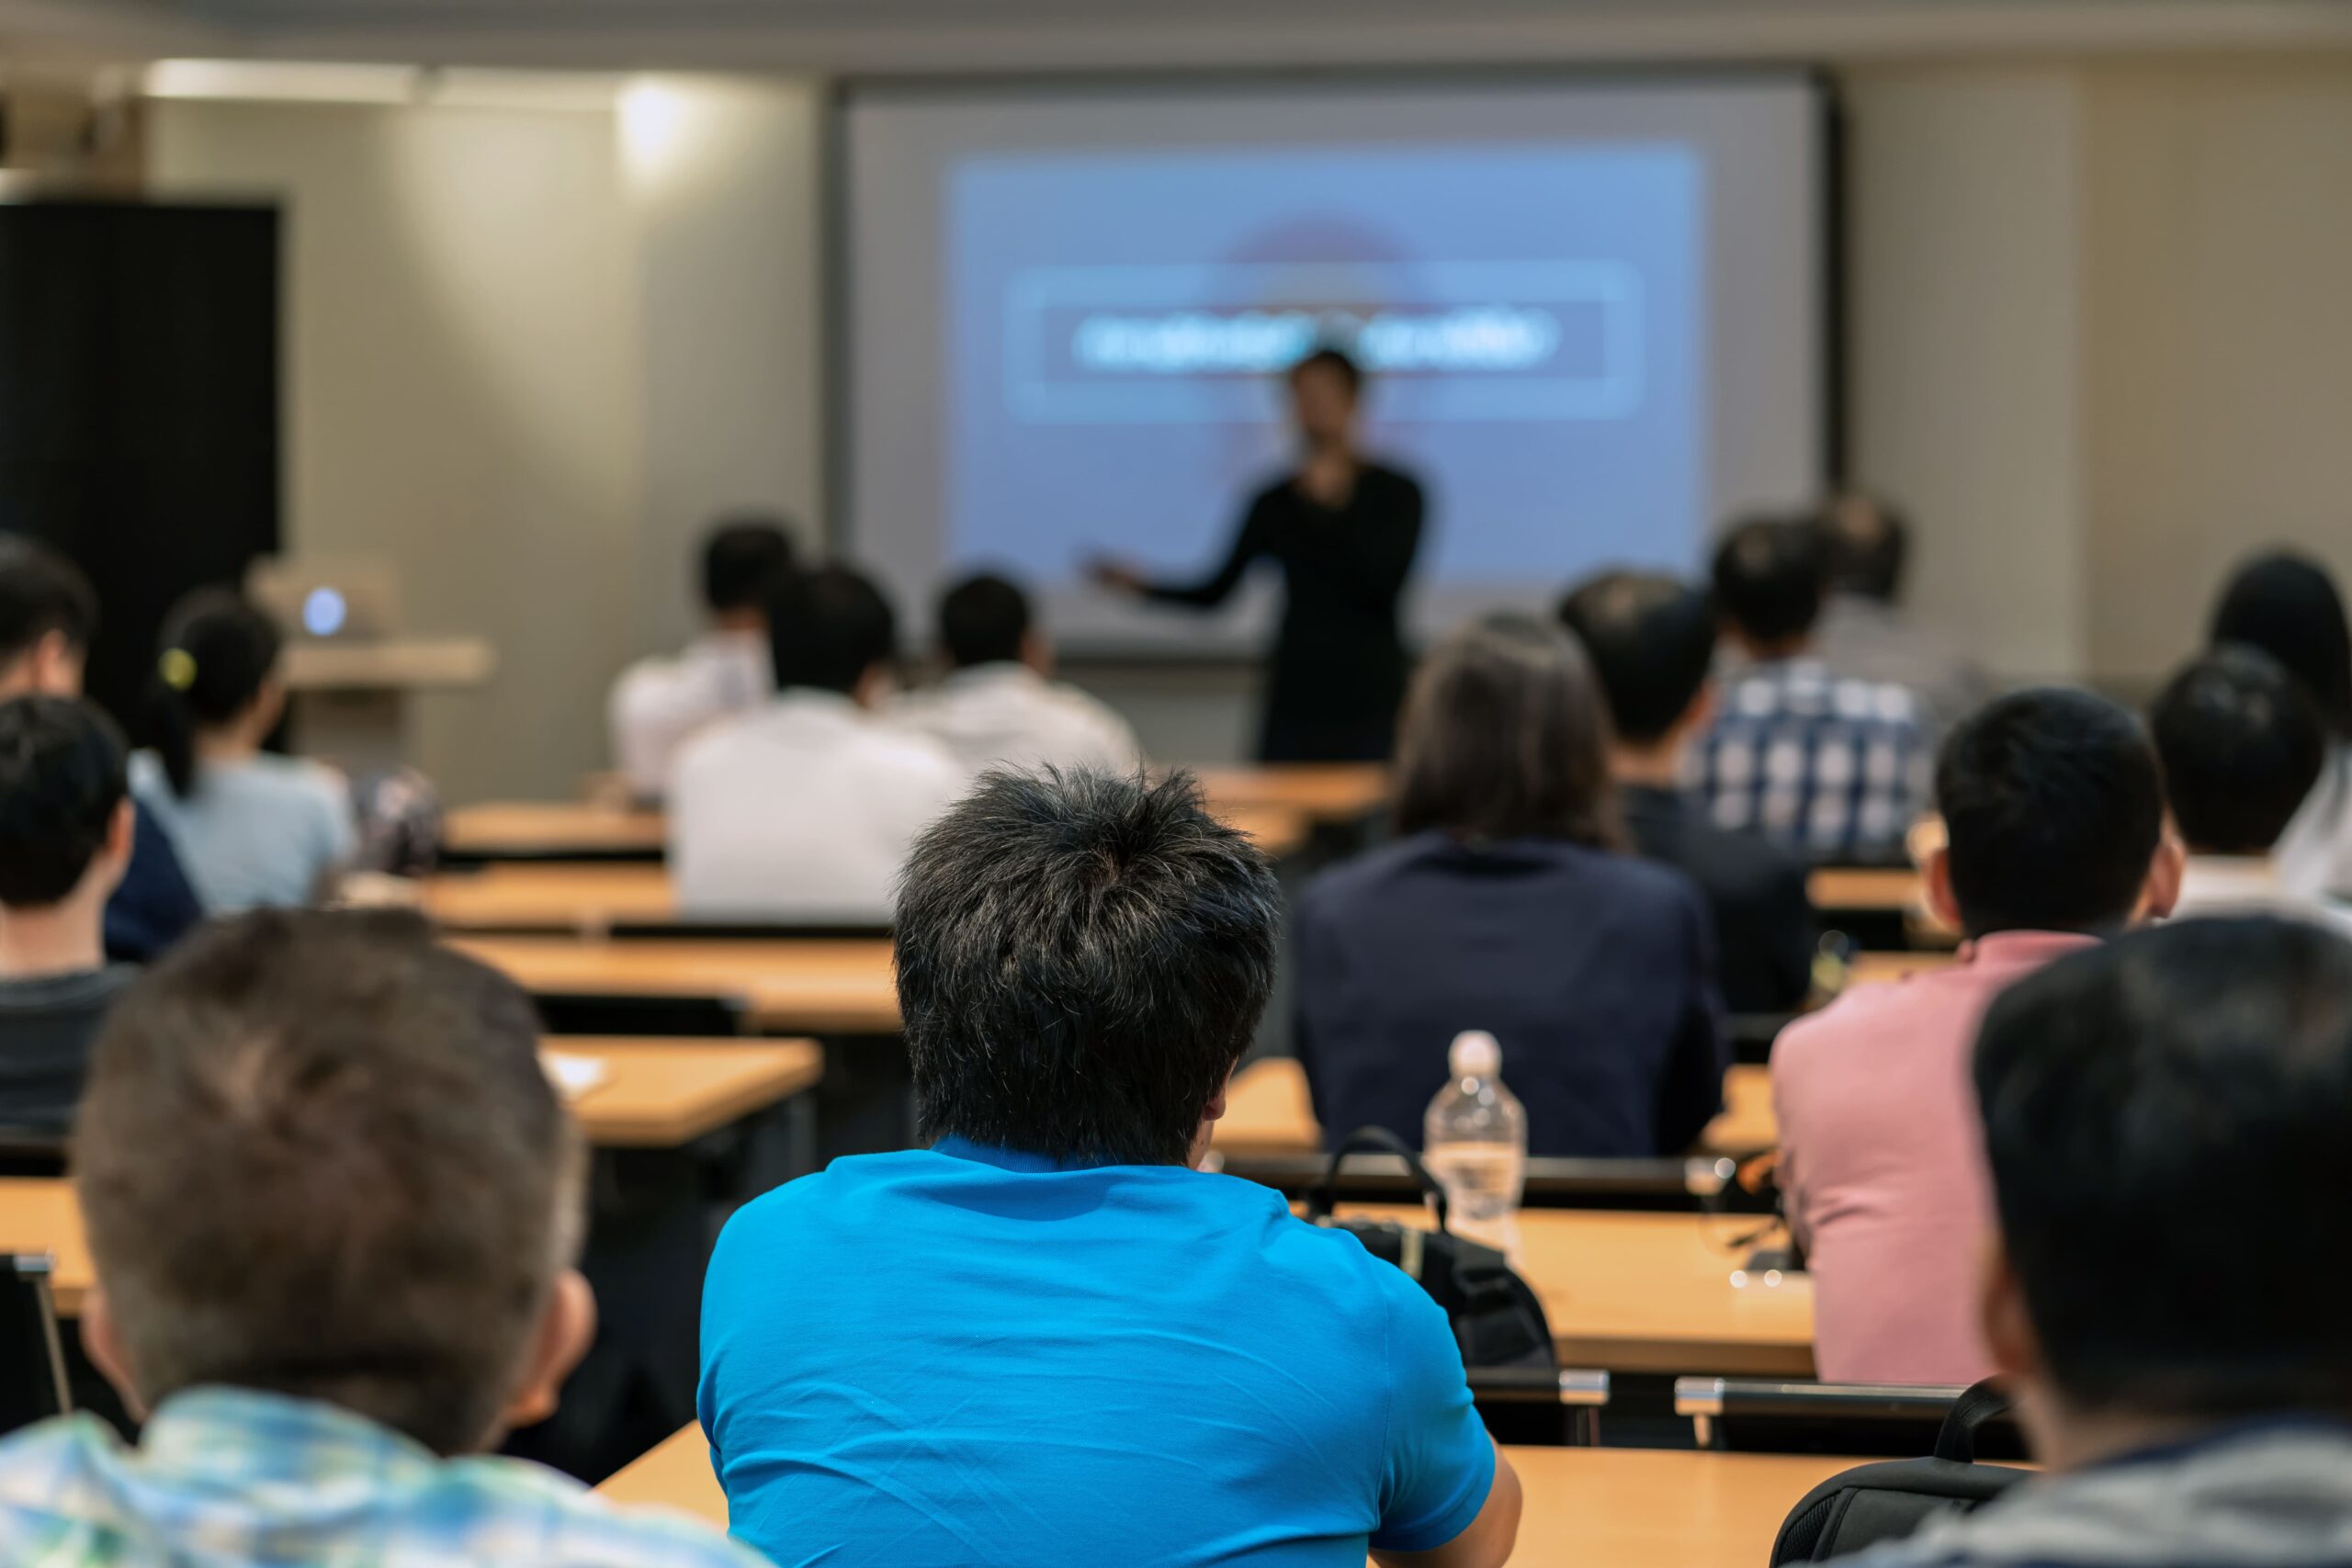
point(178, 669)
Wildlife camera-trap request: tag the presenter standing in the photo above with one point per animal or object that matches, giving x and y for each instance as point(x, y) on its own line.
point(1345, 531)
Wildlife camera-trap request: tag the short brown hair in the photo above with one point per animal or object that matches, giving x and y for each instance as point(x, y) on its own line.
point(317, 1156)
point(1505, 737)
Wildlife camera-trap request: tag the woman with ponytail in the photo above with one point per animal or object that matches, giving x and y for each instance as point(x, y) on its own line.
point(252, 828)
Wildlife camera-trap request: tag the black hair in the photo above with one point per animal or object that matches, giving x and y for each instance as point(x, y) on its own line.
point(61, 781)
point(1082, 959)
point(2169, 1120)
point(2054, 806)
point(828, 627)
point(1330, 356)
point(218, 652)
point(2287, 605)
point(2241, 746)
point(744, 561)
point(1770, 577)
point(983, 620)
point(1652, 641)
point(41, 593)
point(1869, 542)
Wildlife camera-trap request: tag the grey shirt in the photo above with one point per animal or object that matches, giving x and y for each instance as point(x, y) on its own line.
point(47, 1024)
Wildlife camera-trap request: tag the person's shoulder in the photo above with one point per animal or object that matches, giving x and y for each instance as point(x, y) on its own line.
point(1742, 867)
point(1388, 477)
point(499, 1502)
point(719, 746)
point(903, 751)
point(46, 1491)
point(1361, 875)
point(148, 781)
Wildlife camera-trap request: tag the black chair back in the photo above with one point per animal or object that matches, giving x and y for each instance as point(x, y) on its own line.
point(1755, 1416)
point(586, 1013)
point(32, 1355)
point(31, 1151)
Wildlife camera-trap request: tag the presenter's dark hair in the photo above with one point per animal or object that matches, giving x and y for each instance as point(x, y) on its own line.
point(2287, 605)
point(218, 651)
point(1337, 360)
point(1082, 959)
point(61, 781)
point(41, 593)
point(2054, 805)
point(828, 627)
point(318, 1157)
point(744, 561)
point(2168, 1118)
point(2241, 745)
point(1652, 641)
point(983, 620)
point(1506, 735)
point(1771, 573)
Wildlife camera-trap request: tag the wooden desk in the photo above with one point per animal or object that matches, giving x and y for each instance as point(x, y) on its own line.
point(1890, 890)
point(657, 1094)
point(1636, 1293)
point(1326, 791)
point(1626, 1507)
point(1878, 968)
point(816, 988)
point(41, 1215)
point(552, 829)
point(1268, 1113)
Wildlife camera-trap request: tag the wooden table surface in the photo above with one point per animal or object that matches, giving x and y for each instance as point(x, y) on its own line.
point(535, 828)
point(1268, 1113)
point(1894, 889)
point(1609, 1507)
point(816, 988)
point(1328, 792)
point(1878, 968)
point(39, 1214)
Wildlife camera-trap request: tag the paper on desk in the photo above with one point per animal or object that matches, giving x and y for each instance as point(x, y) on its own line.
point(572, 1076)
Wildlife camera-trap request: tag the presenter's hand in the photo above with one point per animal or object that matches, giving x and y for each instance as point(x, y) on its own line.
point(1116, 576)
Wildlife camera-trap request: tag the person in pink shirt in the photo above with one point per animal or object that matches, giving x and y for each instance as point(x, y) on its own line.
point(2054, 804)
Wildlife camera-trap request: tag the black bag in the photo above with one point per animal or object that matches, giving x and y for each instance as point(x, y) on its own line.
point(1875, 1502)
point(1497, 1321)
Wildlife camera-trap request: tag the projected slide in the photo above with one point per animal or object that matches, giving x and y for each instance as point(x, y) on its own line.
point(1588, 316)
point(1529, 316)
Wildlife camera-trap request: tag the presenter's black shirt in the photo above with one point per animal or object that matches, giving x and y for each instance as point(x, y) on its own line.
point(1339, 667)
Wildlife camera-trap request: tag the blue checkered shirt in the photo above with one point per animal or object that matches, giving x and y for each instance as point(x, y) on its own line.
point(1837, 768)
point(227, 1478)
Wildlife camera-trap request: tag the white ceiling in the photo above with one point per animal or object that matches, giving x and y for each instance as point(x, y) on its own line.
point(1053, 34)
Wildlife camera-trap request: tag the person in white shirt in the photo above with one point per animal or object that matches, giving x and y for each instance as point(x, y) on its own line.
point(2287, 605)
point(801, 811)
point(659, 704)
point(999, 706)
point(2241, 746)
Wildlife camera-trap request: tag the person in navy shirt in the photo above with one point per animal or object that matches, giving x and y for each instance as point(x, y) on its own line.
point(1048, 1337)
point(1509, 904)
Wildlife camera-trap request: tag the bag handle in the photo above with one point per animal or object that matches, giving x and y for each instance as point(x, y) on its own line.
point(1373, 1140)
point(1985, 1402)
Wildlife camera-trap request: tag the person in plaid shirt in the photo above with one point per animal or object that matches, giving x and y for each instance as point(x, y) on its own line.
point(1835, 767)
point(333, 1204)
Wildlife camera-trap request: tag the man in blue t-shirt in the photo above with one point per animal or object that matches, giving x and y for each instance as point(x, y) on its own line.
point(1047, 1338)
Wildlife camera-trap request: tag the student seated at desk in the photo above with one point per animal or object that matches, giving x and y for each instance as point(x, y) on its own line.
point(65, 828)
point(2242, 747)
point(333, 1204)
point(2168, 1121)
point(1866, 634)
point(1508, 903)
point(255, 828)
point(803, 809)
point(1048, 1337)
point(998, 705)
point(1832, 766)
point(2287, 605)
point(659, 704)
point(48, 614)
point(2055, 812)
point(1652, 641)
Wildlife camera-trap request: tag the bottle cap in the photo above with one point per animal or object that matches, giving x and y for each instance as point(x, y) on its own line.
point(1476, 1055)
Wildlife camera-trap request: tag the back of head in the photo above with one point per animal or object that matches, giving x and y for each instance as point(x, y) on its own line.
point(828, 627)
point(2287, 605)
point(219, 651)
point(318, 1157)
point(2241, 746)
point(61, 781)
point(744, 562)
point(2169, 1123)
point(1505, 735)
point(983, 620)
point(2054, 806)
point(1769, 576)
point(1869, 543)
point(1082, 959)
point(42, 593)
point(1651, 639)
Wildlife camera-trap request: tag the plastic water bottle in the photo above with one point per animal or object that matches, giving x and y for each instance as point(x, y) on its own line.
point(1475, 1142)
